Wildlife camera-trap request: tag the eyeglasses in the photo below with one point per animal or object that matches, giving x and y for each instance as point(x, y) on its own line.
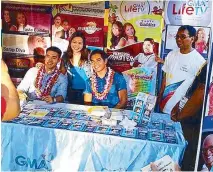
point(182, 37)
point(210, 148)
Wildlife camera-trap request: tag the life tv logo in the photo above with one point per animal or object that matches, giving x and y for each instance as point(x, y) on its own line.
point(190, 12)
point(38, 164)
point(190, 7)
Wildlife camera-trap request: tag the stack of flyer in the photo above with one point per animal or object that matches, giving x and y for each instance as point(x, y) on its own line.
point(144, 105)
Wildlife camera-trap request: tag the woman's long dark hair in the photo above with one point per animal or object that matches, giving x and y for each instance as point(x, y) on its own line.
point(115, 39)
point(84, 51)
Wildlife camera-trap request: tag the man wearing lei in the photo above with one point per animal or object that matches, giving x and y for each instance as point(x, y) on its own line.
point(105, 87)
point(46, 83)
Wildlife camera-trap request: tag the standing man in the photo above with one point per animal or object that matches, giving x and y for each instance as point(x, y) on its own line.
point(46, 83)
point(105, 87)
point(181, 67)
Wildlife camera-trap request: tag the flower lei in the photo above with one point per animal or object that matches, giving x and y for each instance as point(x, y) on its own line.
point(50, 82)
point(109, 80)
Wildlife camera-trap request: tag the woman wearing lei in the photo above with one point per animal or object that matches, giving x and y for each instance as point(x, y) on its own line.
point(106, 87)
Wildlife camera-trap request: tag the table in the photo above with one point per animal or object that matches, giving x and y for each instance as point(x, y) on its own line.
point(27, 147)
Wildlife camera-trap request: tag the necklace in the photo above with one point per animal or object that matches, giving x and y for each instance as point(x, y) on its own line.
point(40, 92)
point(109, 80)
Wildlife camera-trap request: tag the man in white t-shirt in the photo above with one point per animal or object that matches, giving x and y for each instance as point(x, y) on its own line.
point(181, 67)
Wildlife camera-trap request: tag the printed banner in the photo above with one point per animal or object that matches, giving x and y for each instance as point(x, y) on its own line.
point(20, 18)
point(205, 157)
point(94, 9)
point(92, 27)
point(18, 65)
point(87, 18)
point(24, 44)
point(134, 37)
point(139, 80)
point(201, 40)
point(209, 103)
point(188, 12)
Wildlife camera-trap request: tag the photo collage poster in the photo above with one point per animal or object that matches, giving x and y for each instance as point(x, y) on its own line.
point(87, 18)
point(133, 42)
point(25, 34)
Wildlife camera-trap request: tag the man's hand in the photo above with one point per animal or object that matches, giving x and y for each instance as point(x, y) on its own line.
point(47, 99)
point(175, 112)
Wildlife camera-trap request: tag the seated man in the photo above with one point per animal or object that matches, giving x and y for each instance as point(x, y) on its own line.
point(105, 87)
point(46, 83)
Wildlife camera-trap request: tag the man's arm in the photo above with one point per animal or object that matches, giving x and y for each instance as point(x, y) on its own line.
point(160, 95)
point(9, 92)
point(123, 99)
point(192, 106)
point(61, 90)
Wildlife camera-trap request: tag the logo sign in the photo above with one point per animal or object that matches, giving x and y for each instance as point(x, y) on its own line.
point(90, 28)
point(148, 23)
point(137, 8)
point(42, 163)
point(191, 12)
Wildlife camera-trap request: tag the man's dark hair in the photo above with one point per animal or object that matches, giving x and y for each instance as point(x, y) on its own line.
point(97, 51)
point(191, 29)
point(55, 49)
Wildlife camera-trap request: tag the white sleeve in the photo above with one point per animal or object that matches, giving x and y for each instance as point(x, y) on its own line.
point(26, 82)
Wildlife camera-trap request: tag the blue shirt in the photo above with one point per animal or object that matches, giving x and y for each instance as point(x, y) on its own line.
point(27, 85)
point(77, 77)
point(112, 98)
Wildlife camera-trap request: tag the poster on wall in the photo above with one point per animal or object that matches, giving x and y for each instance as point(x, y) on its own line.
point(87, 18)
point(134, 35)
point(18, 65)
point(205, 159)
point(188, 12)
point(24, 44)
point(201, 39)
point(20, 18)
point(138, 80)
point(134, 30)
point(209, 103)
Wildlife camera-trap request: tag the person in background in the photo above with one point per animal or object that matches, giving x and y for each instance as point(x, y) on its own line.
point(10, 106)
point(181, 68)
point(105, 87)
point(57, 25)
point(21, 23)
point(200, 40)
point(129, 34)
point(148, 57)
point(207, 152)
point(46, 83)
point(35, 42)
point(77, 66)
point(7, 21)
point(117, 40)
point(65, 32)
